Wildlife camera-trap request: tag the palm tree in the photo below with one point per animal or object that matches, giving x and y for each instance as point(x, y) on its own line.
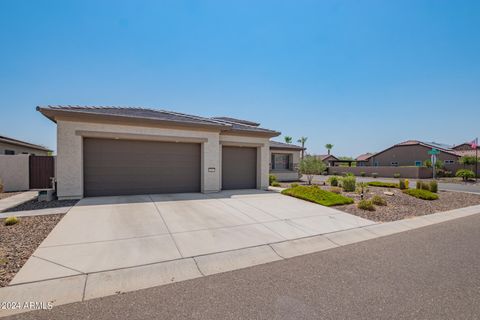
point(329, 147)
point(288, 139)
point(302, 140)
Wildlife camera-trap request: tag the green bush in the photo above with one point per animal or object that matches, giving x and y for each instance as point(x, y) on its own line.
point(465, 174)
point(317, 195)
point(333, 181)
point(10, 221)
point(382, 184)
point(434, 186)
point(379, 201)
point(362, 187)
point(418, 184)
point(425, 186)
point(294, 185)
point(349, 183)
point(334, 173)
point(366, 205)
point(363, 174)
point(396, 175)
point(311, 166)
point(275, 184)
point(421, 194)
point(401, 184)
point(375, 175)
point(336, 190)
point(272, 179)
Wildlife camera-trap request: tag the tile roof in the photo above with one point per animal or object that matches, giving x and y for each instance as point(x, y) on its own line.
point(240, 121)
point(22, 143)
point(471, 152)
point(325, 156)
point(281, 145)
point(364, 157)
point(160, 115)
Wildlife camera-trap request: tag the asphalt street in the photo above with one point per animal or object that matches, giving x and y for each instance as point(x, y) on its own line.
point(427, 273)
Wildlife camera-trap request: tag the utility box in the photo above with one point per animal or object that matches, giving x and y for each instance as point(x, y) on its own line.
point(46, 195)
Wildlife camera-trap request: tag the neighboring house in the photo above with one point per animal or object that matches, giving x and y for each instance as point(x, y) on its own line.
point(328, 159)
point(107, 151)
point(10, 146)
point(284, 160)
point(414, 153)
point(363, 159)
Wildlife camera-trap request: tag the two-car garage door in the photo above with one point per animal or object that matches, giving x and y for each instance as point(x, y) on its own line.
point(129, 167)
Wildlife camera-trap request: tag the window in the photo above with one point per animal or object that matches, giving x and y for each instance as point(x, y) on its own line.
point(11, 152)
point(375, 164)
point(281, 161)
point(418, 163)
point(449, 162)
point(394, 163)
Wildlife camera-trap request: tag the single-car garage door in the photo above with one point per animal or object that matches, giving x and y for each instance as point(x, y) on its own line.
point(128, 167)
point(239, 168)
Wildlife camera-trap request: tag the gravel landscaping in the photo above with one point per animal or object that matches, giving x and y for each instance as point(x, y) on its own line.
point(19, 241)
point(400, 205)
point(4, 195)
point(36, 205)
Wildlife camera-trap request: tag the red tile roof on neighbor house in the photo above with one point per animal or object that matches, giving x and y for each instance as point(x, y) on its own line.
point(148, 114)
point(282, 145)
point(364, 157)
point(325, 156)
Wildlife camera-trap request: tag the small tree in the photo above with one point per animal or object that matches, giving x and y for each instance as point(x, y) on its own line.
point(468, 160)
point(438, 164)
point(310, 166)
point(288, 139)
point(329, 147)
point(465, 174)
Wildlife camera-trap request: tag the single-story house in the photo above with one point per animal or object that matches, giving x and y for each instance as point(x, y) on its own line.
point(107, 151)
point(328, 159)
point(414, 153)
point(10, 146)
point(362, 160)
point(284, 160)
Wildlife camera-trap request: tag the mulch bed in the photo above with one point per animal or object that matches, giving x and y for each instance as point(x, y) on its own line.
point(401, 206)
point(36, 205)
point(18, 242)
point(4, 195)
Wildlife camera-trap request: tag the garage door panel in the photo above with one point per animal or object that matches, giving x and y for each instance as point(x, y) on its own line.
point(125, 167)
point(239, 168)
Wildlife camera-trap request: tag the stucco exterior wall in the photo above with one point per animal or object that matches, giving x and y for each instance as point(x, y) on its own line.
point(263, 155)
point(407, 155)
point(14, 172)
point(286, 175)
point(19, 149)
point(70, 153)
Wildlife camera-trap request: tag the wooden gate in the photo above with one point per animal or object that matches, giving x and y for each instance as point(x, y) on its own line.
point(42, 169)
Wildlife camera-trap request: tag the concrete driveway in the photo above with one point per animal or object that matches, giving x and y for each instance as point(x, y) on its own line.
point(110, 233)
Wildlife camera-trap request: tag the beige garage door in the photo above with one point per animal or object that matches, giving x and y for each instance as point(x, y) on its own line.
point(128, 167)
point(239, 168)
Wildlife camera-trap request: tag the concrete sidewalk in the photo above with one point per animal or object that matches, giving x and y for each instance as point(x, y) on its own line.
point(17, 200)
point(80, 287)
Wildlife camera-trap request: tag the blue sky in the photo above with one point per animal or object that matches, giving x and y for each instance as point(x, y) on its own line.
point(361, 75)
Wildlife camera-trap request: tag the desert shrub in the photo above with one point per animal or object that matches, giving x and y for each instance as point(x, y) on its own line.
point(333, 181)
point(421, 194)
point(375, 175)
point(275, 184)
point(401, 184)
point(336, 190)
point(363, 174)
point(425, 186)
point(366, 205)
point(418, 184)
point(349, 183)
point(379, 201)
point(362, 187)
point(468, 160)
point(272, 179)
point(465, 174)
point(294, 185)
point(434, 186)
point(382, 184)
point(396, 175)
point(10, 221)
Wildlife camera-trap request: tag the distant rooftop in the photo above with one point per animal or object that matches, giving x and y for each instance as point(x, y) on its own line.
point(23, 143)
point(282, 145)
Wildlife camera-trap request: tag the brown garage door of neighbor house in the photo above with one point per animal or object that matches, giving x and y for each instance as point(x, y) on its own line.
point(129, 167)
point(239, 168)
